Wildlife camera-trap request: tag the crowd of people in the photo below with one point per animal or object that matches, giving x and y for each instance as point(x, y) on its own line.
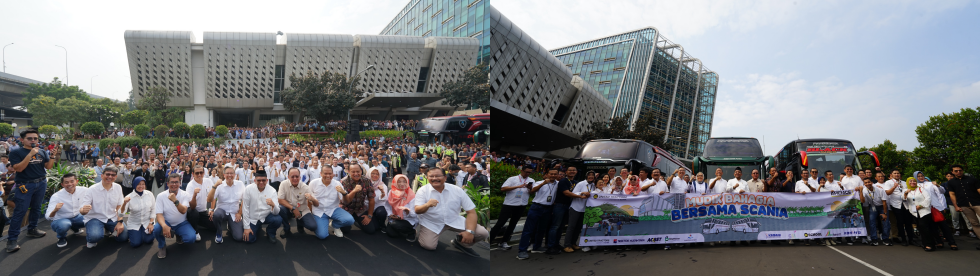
point(272, 130)
point(189, 192)
point(894, 205)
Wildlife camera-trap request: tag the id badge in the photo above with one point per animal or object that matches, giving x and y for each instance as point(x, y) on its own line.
point(549, 198)
point(520, 194)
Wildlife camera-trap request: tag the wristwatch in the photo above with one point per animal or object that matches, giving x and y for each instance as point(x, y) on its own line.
point(469, 231)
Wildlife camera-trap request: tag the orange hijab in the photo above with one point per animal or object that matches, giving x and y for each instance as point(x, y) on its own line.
point(400, 195)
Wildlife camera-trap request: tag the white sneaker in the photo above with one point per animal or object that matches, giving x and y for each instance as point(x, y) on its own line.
point(90, 244)
point(198, 237)
point(338, 233)
point(586, 249)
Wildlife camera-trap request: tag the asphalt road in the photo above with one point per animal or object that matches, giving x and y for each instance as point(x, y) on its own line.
point(756, 259)
point(355, 254)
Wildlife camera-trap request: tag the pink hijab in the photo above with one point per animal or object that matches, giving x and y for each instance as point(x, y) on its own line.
point(400, 195)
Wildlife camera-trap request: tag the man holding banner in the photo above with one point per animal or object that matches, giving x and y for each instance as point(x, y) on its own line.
point(539, 216)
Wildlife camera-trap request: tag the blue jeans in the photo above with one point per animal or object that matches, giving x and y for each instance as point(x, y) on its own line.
point(538, 220)
point(340, 219)
point(32, 199)
point(183, 229)
point(61, 226)
point(139, 237)
point(557, 217)
point(273, 221)
point(95, 229)
point(875, 217)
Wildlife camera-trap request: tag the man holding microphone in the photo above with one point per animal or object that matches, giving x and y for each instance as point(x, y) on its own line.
point(30, 185)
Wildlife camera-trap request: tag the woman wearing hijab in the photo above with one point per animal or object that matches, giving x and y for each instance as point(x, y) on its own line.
point(918, 201)
point(402, 221)
point(617, 186)
point(381, 208)
point(939, 202)
point(633, 188)
point(140, 205)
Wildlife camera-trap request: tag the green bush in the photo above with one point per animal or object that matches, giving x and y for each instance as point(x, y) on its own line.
point(129, 141)
point(197, 131)
point(181, 129)
point(222, 130)
point(47, 130)
point(93, 128)
point(6, 129)
point(141, 130)
point(388, 134)
point(160, 131)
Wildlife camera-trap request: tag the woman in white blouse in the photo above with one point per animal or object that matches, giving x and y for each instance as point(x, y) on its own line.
point(138, 206)
point(381, 207)
point(918, 201)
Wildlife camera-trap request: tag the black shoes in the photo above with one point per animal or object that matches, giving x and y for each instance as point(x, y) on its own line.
point(34, 233)
point(13, 247)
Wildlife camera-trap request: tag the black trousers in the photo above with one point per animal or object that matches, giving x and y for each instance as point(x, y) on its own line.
point(926, 230)
point(942, 228)
point(507, 213)
point(399, 228)
point(905, 220)
point(200, 220)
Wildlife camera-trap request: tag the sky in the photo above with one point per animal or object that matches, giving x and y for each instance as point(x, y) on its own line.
point(859, 70)
point(92, 31)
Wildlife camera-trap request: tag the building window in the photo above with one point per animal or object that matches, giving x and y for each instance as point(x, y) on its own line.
point(609, 59)
point(460, 27)
point(448, 19)
point(619, 69)
point(279, 82)
point(423, 75)
point(587, 62)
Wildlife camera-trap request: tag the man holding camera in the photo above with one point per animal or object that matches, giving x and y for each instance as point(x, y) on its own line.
point(29, 186)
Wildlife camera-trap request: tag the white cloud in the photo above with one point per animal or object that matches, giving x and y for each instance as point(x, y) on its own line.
point(965, 94)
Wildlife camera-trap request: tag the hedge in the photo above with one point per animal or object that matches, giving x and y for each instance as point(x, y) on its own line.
point(129, 141)
point(500, 173)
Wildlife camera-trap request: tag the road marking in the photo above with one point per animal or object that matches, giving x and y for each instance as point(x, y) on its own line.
point(861, 262)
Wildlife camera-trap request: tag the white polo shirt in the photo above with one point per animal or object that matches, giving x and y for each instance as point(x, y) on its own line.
point(169, 210)
point(874, 197)
point(327, 195)
point(830, 186)
point(851, 182)
point(202, 197)
point(803, 185)
point(452, 200)
point(517, 197)
point(545, 194)
point(103, 201)
point(895, 199)
point(72, 203)
point(228, 198)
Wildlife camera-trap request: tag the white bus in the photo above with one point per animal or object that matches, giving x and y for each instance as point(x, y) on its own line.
point(714, 226)
point(746, 225)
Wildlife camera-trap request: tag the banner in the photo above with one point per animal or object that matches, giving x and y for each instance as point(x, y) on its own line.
point(685, 218)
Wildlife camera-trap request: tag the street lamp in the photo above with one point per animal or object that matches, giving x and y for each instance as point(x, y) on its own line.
point(66, 63)
point(5, 57)
point(351, 86)
point(15, 128)
point(90, 89)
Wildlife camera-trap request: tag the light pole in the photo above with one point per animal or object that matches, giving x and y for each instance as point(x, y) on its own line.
point(5, 57)
point(351, 86)
point(66, 63)
point(90, 89)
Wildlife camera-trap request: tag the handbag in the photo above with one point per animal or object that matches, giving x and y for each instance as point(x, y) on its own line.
point(937, 216)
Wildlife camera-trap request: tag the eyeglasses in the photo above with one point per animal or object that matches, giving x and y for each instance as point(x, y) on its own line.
point(109, 174)
point(32, 138)
point(198, 172)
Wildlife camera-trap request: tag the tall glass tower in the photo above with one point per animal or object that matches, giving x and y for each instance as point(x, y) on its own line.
point(451, 18)
point(641, 71)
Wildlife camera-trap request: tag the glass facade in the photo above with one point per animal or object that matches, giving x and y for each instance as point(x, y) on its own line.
point(449, 18)
point(641, 71)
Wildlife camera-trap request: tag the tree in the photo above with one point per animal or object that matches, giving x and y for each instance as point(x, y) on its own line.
point(618, 128)
point(135, 117)
point(221, 130)
point(181, 129)
point(472, 90)
point(48, 130)
point(160, 131)
point(93, 128)
point(197, 131)
point(890, 158)
point(154, 99)
point(948, 139)
point(141, 130)
point(43, 110)
point(592, 216)
point(6, 129)
point(54, 89)
point(322, 96)
point(72, 111)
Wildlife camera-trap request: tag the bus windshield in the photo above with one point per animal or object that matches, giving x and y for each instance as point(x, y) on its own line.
point(434, 124)
point(832, 156)
point(728, 171)
point(615, 150)
point(733, 147)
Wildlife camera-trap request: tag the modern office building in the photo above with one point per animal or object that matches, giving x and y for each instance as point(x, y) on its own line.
point(236, 78)
point(448, 18)
point(544, 106)
point(642, 71)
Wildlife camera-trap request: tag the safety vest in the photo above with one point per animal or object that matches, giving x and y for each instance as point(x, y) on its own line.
point(422, 180)
point(439, 150)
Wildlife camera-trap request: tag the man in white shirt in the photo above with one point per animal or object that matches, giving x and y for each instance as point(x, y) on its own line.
point(326, 195)
point(736, 184)
point(718, 185)
point(100, 208)
point(803, 186)
point(656, 185)
point(227, 199)
point(830, 184)
point(575, 215)
point(293, 204)
point(515, 202)
point(677, 183)
point(438, 206)
point(873, 199)
point(337, 169)
point(260, 206)
point(171, 212)
point(539, 218)
point(199, 187)
point(63, 209)
point(850, 181)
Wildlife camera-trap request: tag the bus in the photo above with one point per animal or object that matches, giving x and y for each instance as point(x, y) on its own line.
point(746, 225)
point(454, 129)
point(714, 226)
point(601, 155)
point(728, 153)
point(822, 154)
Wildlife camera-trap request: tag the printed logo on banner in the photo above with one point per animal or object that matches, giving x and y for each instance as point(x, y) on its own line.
point(596, 196)
point(774, 236)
